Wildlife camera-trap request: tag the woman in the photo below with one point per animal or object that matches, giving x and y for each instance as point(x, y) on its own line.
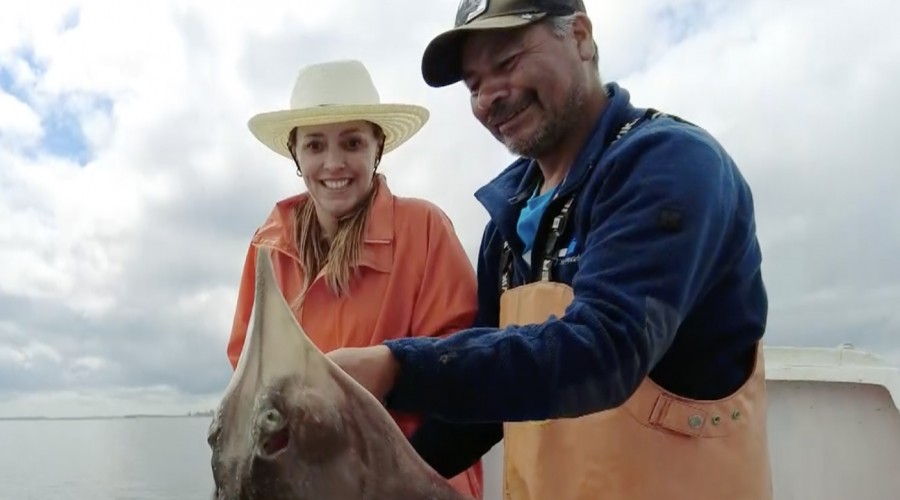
point(357, 264)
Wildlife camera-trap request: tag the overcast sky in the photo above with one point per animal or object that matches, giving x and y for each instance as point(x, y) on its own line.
point(130, 185)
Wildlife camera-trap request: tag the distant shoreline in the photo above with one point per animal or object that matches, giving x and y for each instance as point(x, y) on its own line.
point(201, 414)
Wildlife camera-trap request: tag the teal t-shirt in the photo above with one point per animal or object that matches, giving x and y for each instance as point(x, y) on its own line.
point(530, 217)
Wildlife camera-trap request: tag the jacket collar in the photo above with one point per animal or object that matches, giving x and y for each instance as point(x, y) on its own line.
point(502, 197)
point(377, 251)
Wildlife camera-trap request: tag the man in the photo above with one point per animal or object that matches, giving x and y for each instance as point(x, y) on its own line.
point(618, 340)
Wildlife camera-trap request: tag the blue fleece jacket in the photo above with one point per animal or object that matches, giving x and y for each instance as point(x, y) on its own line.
point(665, 265)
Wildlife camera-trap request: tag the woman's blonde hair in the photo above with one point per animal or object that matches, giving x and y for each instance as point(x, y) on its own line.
point(339, 260)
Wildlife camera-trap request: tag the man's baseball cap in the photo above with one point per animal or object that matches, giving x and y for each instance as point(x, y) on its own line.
point(441, 61)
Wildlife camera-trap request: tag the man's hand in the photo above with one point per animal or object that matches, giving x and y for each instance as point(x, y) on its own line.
point(373, 367)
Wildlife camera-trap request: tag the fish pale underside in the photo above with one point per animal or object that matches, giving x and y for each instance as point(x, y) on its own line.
point(292, 425)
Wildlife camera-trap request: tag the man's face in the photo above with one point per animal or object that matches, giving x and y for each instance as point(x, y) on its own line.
point(526, 85)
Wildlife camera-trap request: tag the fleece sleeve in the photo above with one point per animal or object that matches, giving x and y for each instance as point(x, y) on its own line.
point(657, 227)
point(450, 448)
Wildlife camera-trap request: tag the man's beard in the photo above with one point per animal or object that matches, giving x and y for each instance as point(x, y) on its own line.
point(551, 130)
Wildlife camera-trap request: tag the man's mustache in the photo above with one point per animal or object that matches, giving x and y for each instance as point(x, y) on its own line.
point(502, 111)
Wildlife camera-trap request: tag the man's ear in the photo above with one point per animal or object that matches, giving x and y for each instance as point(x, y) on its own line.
point(583, 31)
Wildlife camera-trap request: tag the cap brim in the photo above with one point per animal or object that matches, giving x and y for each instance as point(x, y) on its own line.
point(399, 121)
point(442, 59)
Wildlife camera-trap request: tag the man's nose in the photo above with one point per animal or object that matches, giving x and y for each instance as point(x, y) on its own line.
point(488, 94)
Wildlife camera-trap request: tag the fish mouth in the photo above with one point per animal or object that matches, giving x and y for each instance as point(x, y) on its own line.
point(275, 444)
point(274, 434)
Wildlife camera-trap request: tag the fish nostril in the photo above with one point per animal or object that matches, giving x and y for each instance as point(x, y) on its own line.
point(215, 429)
point(213, 436)
point(272, 434)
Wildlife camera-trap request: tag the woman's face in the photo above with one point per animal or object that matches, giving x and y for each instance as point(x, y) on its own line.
point(337, 162)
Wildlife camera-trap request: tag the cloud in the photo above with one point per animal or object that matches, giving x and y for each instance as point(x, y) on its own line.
point(801, 107)
point(130, 185)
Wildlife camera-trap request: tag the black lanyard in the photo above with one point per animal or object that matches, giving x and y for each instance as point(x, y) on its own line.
point(561, 219)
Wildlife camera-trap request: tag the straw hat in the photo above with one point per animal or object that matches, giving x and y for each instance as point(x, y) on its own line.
point(333, 92)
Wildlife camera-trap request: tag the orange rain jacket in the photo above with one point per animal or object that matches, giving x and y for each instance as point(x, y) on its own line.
point(415, 280)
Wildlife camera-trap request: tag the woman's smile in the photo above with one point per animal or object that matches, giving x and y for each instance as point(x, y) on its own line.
point(336, 184)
